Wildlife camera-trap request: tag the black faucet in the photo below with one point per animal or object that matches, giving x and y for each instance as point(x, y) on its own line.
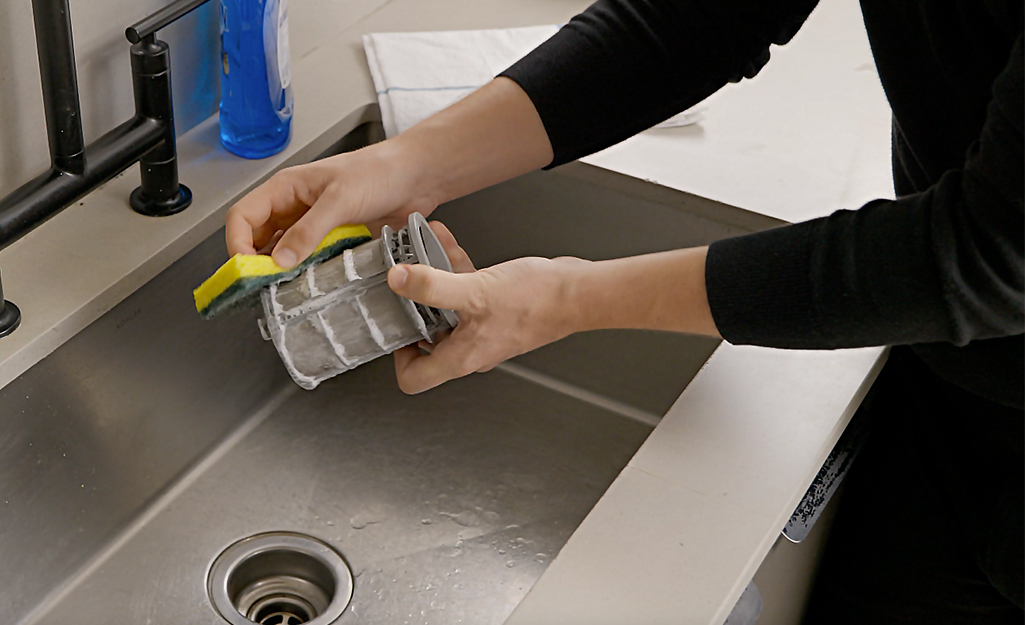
point(76, 168)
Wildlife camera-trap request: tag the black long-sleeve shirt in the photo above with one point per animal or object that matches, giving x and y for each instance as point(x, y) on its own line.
point(941, 268)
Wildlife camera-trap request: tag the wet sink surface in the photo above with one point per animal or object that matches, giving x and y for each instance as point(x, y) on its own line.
point(150, 442)
point(153, 440)
point(447, 508)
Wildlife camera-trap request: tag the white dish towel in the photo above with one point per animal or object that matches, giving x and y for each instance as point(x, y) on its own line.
point(418, 74)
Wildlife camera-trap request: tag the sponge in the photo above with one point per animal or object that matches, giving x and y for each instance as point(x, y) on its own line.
point(245, 274)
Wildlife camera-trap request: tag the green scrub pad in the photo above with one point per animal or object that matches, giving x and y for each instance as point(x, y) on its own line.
point(245, 274)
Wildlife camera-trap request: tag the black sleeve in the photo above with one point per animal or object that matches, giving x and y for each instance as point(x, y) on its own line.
point(624, 65)
point(944, 265)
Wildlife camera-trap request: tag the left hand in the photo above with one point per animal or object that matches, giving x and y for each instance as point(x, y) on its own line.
point(504, 311)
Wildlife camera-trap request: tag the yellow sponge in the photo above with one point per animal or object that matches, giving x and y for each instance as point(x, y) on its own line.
point(245, 274)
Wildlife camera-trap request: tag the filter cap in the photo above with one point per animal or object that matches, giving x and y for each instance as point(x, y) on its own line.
point(429, 252)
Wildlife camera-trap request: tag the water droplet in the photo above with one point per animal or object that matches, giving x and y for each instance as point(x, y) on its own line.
point(466, 518)
point(425, 521)
point(362, 520)
point(510, 564)
point(501, 551)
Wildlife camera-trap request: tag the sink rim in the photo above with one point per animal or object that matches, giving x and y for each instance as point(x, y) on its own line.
point(237, 554)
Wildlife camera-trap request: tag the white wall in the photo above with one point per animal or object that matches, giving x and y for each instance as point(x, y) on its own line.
point(104, 75)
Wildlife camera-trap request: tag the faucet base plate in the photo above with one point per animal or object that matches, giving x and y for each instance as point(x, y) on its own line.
point(161, 208)
point(10, 318)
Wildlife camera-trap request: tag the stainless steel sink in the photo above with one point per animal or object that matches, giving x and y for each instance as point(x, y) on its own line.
point(152, 441)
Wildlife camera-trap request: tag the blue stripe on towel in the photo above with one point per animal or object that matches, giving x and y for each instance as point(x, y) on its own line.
point(389, 89)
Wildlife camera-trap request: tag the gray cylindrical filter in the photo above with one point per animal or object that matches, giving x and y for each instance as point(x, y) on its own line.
point(341, 313)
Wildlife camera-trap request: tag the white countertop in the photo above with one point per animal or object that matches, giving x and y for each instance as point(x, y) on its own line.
point(809, 135)
point(684, 527)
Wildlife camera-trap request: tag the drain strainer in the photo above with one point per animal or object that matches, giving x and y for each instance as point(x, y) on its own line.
point(280, 579)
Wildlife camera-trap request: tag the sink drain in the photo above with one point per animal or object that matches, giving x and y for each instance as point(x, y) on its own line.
point(280, 579)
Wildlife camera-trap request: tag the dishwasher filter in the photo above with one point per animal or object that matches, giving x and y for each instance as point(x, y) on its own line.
point(341, 313)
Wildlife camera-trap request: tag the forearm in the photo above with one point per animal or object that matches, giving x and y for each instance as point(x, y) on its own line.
point(663, 291)
point(492, 135)
point(623, 65)
point(517, 306)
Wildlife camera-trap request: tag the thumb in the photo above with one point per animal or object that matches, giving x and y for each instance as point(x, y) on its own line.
point(434, 287)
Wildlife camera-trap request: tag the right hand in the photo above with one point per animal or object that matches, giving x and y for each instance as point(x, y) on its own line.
point(293, 211)
point(496, 321)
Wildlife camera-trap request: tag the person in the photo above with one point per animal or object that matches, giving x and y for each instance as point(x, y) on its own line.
point(930, 528)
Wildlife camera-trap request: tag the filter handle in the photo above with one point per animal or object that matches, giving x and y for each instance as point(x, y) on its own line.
point(429, 252)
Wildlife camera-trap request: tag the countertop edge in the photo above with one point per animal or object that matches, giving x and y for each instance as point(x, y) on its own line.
point(673, 512)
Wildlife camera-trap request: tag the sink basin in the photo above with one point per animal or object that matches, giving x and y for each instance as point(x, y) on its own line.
point(149, 443)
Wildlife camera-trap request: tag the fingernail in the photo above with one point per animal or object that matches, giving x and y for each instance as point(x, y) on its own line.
point(284, 257)
point(397, 276)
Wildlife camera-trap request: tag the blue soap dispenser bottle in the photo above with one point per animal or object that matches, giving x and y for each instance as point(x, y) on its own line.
point(256, 90)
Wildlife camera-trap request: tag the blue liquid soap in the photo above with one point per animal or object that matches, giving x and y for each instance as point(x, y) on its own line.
point(256, 92)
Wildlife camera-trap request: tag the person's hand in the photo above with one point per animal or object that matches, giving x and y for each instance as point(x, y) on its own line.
point(492, 135)
point(504, 311)
point(293, 211)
